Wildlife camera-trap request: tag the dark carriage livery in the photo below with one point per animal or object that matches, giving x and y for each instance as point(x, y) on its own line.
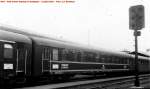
point(58, 57)
point(15, 55)
point(27, 56)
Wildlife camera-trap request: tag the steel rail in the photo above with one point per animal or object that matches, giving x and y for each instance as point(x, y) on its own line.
point(90, 84)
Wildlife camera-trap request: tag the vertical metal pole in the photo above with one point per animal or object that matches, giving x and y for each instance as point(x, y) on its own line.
point(17, 61)
point(137, 83)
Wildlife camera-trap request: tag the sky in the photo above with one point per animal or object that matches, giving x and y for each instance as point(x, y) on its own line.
point(99, 23)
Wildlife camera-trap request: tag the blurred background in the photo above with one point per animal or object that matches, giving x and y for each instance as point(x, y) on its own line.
point(100, 23)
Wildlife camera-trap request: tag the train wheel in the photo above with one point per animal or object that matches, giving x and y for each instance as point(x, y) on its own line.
point(21, 80)
point(7, 83)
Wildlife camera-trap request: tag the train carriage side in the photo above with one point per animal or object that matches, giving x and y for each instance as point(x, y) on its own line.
point(15, 56)
point(42, 55)
point(48, 58)
point(53, 57)
point(115, 62)
point(144, 64)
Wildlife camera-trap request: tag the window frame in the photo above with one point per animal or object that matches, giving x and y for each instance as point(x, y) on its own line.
point(55, 57)
point(6, 49)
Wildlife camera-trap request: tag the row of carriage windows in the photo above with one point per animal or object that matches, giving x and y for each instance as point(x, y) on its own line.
point(57, 54)
point(47, 54)
point(74, 55)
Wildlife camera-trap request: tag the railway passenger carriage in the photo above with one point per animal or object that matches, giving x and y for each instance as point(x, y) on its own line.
point(144, 64)
point(15, 55)
point(24, 56)
point(56, 58)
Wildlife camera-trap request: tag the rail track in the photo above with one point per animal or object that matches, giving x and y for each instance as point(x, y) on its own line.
point(105, 83)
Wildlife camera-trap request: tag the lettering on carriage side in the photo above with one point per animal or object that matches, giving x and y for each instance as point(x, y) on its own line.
point(125, 67)
point(55, 66)
point(8, 66)
point(64, 66)
point(103, 67)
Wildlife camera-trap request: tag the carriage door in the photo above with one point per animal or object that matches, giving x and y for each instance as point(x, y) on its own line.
point(46, 58)
point(21, 60)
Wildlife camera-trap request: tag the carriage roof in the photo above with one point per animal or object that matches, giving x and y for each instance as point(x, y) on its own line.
point(76, 46)
point(7, 36)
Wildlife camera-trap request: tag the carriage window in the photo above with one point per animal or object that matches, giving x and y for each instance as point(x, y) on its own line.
point(97, 57)
point(8, 51)
point(55, 54)
point(70, 55)
point(79, 55)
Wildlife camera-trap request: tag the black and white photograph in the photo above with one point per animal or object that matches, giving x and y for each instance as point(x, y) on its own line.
point(74, 44)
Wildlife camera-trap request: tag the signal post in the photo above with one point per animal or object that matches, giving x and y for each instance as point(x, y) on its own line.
point(136, 23)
